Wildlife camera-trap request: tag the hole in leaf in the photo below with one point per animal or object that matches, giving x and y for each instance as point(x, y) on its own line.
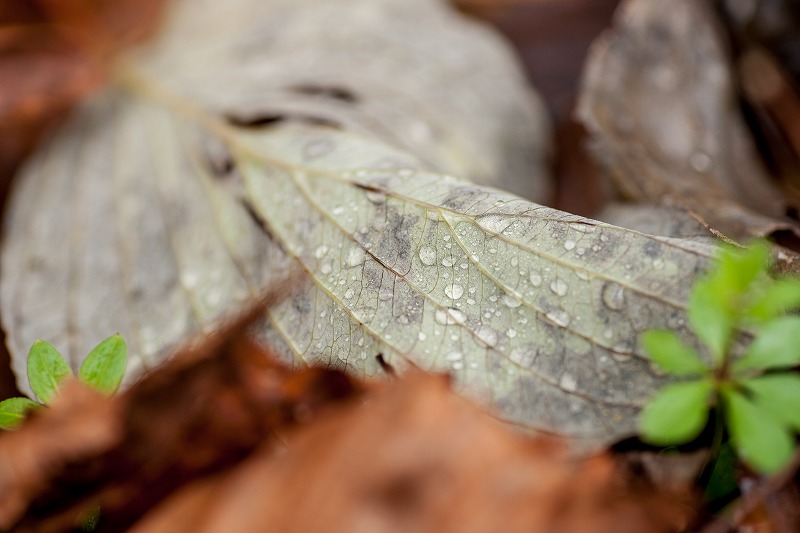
point(332, 93)
point(255, 120)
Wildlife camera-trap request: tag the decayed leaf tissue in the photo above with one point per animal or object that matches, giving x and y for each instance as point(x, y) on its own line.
point(216, 165)
point(387, 166)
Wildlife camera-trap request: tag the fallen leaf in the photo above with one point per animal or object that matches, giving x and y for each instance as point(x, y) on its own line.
point(661, 220)
point(659, 102)
point(415, 457)
point(54, 53)
point(200, 413)
point(179, 209)
point(79, 425)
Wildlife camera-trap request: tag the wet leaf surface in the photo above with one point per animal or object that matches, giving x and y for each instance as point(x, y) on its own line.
point(186, 209)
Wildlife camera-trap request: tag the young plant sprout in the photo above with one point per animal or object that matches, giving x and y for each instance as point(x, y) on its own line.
point(102, 370)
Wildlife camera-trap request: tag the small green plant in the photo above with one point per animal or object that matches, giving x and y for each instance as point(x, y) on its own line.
point(102, 370)
point(756, 392)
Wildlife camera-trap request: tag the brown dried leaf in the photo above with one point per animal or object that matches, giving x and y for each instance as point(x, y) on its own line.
point(203, 411)
point(658, 98)
point(416, 457)
point(53, 54)
point(80, 424)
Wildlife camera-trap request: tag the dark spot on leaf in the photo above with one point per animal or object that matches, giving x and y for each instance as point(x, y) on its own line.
point(652, 249)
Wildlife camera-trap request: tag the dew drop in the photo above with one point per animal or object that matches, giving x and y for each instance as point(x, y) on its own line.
point(190, 279)
point(559, 287)
point(511, 333)
point(494, 223)
point(318, 148)
point(355, 256)
point(427, 255)
point(325, 268)
point(511, 301)
point(700, 161)
point(348, 294)
point(569, 245)
point(454, 356)
point(613, 296)
point(488, 336)
point(560, 317)
point(658, 264)
point(376, 197)
point(421, 336)
point(536, 279)
point(338, 210)
point(457, 365)
point(447, 261)
point(523, 356)
point(454, 291)
point(320, 251)
point(449, 316)
point(568, 382)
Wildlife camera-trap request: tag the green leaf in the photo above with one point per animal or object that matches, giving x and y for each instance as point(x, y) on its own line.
point(46, 368)
point(711, 317)
point(776, 346)
point(776, 299)
point(104, 367)
point(739, 268)
point(723, 483)
point(779, 394)
point(13, 411)
point(667, 350)
point(761, 441)
point(676, 414)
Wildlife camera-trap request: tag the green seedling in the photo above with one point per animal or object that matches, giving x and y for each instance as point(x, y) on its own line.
point(102, 370)
point(757, 393)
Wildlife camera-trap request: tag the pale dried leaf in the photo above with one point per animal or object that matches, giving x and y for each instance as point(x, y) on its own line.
point(150, 215)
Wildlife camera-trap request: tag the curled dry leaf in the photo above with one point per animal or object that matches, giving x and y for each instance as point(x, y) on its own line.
point(160, 206)
point(658, 99)
point(415, 457)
